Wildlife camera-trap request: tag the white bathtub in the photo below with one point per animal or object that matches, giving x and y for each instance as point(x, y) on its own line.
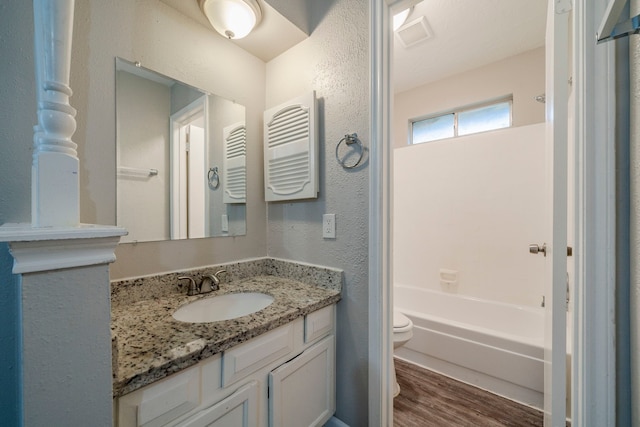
point(495, 346)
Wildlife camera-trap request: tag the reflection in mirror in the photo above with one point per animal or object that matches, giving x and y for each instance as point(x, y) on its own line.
point(181, 159)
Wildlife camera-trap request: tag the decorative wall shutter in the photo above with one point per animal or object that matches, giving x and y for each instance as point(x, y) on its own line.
point(291, 150)
point(235, 163)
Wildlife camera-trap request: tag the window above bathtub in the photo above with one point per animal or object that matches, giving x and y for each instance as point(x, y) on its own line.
point(483, 117)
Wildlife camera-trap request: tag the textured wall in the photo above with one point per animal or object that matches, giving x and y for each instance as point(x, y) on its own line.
point(10, 332)
point(296, 11)
point(17, 117)
point(166, 41)
point(521, 75)
point(634, 66)
point(17, 111)
point(67, 347)
point(334, 63)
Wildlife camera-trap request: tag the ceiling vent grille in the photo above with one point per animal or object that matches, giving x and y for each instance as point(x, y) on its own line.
point(414, 32)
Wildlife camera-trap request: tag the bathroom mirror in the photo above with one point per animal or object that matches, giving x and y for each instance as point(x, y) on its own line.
point(181, 159)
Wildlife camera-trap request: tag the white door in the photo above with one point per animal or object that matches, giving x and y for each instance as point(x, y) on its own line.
point(197, 176)
point(186, 163)
point(557, 89)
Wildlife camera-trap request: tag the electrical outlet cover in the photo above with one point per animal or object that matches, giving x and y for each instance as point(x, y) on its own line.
point(329, 226)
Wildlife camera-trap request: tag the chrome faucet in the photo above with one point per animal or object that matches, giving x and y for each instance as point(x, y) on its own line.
point(211, 282)
point(193, 289)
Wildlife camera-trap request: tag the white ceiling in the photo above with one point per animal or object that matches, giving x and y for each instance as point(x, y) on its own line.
point(467, 34)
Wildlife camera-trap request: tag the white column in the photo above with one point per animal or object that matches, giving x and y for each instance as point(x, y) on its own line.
point(65, 346)
point(54, 172)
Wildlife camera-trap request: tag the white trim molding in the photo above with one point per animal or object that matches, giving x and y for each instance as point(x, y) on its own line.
point(45, 249)
point(380, 297)
point(593, 367)
point(380, 205)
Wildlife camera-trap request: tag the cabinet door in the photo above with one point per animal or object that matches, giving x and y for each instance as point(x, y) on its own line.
point(302, 391)
point(238, 410)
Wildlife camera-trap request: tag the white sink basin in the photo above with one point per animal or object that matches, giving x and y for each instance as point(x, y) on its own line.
point(223, 307)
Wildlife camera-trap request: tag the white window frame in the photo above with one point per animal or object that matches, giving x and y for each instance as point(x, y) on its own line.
point(456, 111)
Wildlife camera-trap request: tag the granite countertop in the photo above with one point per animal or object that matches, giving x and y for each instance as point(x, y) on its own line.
point(150, 344)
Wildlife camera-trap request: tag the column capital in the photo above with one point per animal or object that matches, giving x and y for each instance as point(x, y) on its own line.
point(54, 248)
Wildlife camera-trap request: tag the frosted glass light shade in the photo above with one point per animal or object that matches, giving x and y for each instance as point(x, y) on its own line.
point(233, 19)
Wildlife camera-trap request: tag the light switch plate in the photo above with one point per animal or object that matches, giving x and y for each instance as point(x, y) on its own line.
point(225, 223)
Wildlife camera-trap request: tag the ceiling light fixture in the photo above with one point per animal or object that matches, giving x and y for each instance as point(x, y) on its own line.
point(234, 19)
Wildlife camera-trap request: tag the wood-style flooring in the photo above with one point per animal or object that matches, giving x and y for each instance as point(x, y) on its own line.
point(429, 399)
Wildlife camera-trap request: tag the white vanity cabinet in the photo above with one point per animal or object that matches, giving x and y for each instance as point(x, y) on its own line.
point(302, 391)
point(284, 377)
point(239, 409)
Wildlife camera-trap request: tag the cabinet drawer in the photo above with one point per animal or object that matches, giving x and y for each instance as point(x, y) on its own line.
point(318, 324)
point(161, 402)
point(247, 358)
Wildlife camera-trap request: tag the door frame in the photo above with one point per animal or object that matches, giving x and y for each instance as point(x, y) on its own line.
point(380, 274)
point(380, 203)
point(593, 367)
point(177, 203)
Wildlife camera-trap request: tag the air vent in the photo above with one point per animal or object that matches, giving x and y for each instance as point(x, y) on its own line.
point(291, 150)
point(414, 32)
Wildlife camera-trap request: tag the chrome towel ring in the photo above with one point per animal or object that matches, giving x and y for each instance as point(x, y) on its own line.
point(349, 140)
point(213, 178)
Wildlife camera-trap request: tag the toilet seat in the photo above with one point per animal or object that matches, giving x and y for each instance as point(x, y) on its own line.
point(401, 323)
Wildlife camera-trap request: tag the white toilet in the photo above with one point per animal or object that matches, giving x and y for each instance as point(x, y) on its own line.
point(402, 332)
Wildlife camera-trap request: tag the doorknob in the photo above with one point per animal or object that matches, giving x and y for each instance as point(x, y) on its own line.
point(536, 249)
